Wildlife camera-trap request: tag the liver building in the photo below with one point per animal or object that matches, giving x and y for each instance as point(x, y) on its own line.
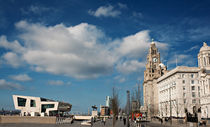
point(154, 70)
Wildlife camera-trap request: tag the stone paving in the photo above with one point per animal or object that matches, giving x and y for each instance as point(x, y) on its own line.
point(99, 124)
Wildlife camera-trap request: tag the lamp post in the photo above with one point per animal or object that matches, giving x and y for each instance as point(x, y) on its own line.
point(170, 104)
point(128, 107)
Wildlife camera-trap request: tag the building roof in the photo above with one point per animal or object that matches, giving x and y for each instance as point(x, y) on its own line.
point(181, 69)
point(205, 47)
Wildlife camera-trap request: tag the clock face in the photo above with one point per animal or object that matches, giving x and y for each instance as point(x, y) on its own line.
point(154, 59)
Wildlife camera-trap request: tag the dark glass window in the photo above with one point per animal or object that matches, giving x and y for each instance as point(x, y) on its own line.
point(21, 101)
point(45, 106)
point(33, 103)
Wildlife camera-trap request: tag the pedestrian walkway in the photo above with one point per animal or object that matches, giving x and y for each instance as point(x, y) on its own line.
point(175, 124)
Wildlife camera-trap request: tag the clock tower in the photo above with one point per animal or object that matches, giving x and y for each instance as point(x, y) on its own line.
point(154, 69)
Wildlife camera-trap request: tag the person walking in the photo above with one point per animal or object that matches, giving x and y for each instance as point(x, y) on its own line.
point(104, 120)
point(124, 120)
point(161, 120)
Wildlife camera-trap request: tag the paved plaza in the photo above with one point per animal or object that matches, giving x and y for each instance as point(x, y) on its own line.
point(99, 124)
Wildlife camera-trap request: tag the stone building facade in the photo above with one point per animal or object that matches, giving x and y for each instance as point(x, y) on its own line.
point(186, 88)
point(204, 65)
point(179, 91)
point(154, 69)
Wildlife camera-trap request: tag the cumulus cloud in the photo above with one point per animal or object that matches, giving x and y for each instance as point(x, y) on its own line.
point(9, 85)
point(72, 51)
point(14, 46)
point(76, 51)
point(132, 66)
point(12, 59)
point(21, 77)
point(137, 45)
point(105, 11)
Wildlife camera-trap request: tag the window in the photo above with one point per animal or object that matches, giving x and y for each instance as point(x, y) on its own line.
point(183, 87)
point(184, 101)
point(45, 106)
point(199, 94)
point(192, 81)
point(183, 81)
point(182, 75)
point(198, 88)
point(21, 102)
point(184, 94)
point(193, 101)
point(192, 75)
point(193, 94)
point(33, 103)
point(193, 87)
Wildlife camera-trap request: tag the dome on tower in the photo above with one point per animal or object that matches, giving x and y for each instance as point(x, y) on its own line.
point(205, 47)
point(161, 65)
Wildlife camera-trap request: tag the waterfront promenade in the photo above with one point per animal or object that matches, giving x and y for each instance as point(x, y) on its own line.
point(100, 124)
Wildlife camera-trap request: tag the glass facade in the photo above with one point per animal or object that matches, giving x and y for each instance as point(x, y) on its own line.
point(21, 101)
point(45, 106)
point(33, 103)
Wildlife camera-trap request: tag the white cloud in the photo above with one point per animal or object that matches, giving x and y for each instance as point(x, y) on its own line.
point(14, 46)
point(123, 6)
point(130, 66)
point(120, 79)
point(137, 45)
point(72, 51)
point(106, 11)
point(137, 15)
point(35, 9)
point(76, 51)
point(21, 77)
point(193, 48)
point(181, 59)
point(56, 82)
point(9, 85)
point(12, 59)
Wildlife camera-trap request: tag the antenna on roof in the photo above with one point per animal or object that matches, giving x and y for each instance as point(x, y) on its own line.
point(176, 61)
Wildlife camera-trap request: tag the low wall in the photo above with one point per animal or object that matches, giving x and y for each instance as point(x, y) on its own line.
point(27, 119)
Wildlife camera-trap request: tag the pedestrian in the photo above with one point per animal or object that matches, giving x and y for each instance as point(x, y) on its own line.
point(104, 121)
point(161, 120)
point(124, 120)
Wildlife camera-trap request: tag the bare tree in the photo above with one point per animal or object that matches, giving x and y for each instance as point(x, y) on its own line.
point(115, 105)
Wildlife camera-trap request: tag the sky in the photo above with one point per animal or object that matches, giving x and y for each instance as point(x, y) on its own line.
point(76, 51)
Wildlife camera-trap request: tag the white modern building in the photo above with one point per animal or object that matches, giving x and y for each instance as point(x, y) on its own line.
point(37, 106)
point(179, 91)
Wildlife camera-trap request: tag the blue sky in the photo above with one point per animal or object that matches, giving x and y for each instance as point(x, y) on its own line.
point(77, 50)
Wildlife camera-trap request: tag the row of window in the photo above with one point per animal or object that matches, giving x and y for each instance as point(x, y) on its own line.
point(22, 102)
point(192, 88)
point(193, 101)
point(190, 75)
point(191, 81)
